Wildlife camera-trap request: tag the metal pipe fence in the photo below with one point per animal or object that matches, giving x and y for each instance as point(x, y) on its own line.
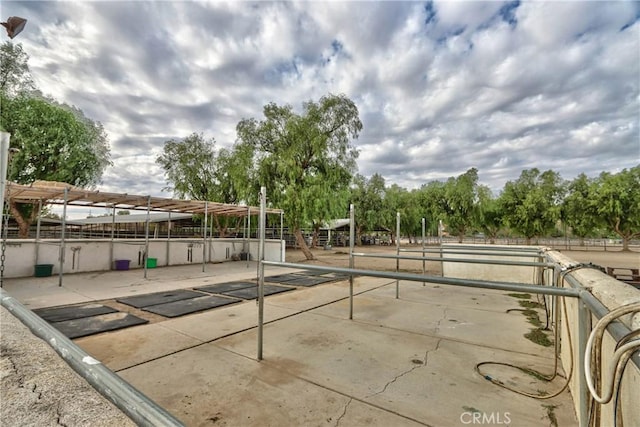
point(142, 410)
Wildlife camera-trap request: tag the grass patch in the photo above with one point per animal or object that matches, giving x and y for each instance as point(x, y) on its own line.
point(535, 374)
point(551, 414)
point(471, 409)
point(539, 337)
point(530, 304)
point(521, 296)
point(532, 317)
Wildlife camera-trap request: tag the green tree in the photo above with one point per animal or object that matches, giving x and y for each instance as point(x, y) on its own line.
point(578, 208)
point(531, 204)
point(489, 214)
point(432, 201)
point(195, 170)
point(15, 77)
point(305, 160)
point(616, 198)
point(460, 203)
point(56, 143)
point(189, 167)
point(367, 196)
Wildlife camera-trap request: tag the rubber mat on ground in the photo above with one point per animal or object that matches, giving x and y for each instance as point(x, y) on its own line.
point(188, 306)
point(147, 300)
point(76, 328)
point(252, 293)
point(283, 278)
point(69, 312)
point(219, 288)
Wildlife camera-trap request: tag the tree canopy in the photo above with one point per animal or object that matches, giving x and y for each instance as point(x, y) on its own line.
point(15, 78)
point(194, 169)
point(616, 198)
point(531, 204)
point(305, 160)
point(56, 142)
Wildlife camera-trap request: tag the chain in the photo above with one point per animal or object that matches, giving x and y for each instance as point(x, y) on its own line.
point(4, 243)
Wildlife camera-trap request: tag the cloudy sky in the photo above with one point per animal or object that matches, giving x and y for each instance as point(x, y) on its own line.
point(441, 86)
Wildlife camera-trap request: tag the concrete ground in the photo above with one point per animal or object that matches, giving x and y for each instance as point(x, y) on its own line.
point(406, 361)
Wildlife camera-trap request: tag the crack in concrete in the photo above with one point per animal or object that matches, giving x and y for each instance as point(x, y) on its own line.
point(33, 390)
point(344, 412)
point(59, 417)
point(6, 355)
point(425, 361)
point(443, 318)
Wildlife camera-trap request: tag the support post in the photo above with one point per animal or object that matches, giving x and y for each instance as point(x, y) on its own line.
point(584, 329)
point(398, 253)
point(113, 231)
point(64, 227)
point(145, 258)
point(5, 137)
point(261, 226)
point(424, 263)
point(39, 221)
point(204, 235)
point(169, 239)
point(352, 233)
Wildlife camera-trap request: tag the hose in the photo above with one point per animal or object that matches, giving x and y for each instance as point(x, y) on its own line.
point(595, 342)
point(532, 371)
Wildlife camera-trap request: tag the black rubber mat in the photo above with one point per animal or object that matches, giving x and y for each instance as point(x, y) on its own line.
point(147, 300)
point(252, 293)
point(225, 287)
point(282, 278)
point(310, 281)
point(188, 306)
point(311, 272)
point(76, 328)
point(69, 312)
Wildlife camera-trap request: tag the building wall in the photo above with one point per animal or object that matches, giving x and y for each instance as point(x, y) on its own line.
point(84, 255)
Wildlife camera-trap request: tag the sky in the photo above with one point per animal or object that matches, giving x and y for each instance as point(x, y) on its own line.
point(441, 87)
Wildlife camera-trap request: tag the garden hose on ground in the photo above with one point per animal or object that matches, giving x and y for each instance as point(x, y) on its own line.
point(534, 372)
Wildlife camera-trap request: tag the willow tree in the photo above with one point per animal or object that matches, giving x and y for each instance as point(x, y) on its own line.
point(367, 196)
point(531, 204)
point(195, 169)
point(460, 201)
point(578, 210)
point(616, 199)
point(305, 160)
point(56, 142)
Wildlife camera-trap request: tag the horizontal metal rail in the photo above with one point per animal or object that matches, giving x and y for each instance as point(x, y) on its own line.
point(463, 260)
point(462, 252)
point(496, 248)
point(142, 410)
point(485, 284)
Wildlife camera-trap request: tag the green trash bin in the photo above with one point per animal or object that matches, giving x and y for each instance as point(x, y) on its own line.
point(43, 270)
point(152, 262)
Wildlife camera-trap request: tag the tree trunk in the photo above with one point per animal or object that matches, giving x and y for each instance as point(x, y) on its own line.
point(625, 244)
point(222, 230)
point(23, 223)
point(316, 232)
point(303, 244)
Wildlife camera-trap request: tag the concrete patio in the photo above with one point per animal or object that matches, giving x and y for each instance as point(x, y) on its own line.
point(406, 361)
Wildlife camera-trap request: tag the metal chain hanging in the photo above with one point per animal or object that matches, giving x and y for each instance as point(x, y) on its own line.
point(5, 218)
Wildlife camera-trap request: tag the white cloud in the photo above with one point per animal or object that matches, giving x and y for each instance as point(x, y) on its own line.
point(441, 87)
